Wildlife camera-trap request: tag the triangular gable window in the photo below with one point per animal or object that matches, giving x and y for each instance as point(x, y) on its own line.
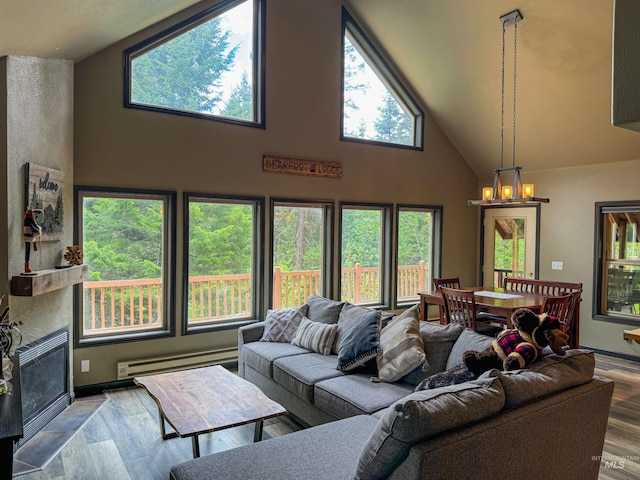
point(208, 66)
point(376, 106)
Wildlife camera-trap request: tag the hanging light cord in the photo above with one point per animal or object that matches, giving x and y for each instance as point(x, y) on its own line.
point(515, 59)
point(502, 108)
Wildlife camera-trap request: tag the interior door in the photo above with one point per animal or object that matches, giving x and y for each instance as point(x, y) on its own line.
point(510, 244)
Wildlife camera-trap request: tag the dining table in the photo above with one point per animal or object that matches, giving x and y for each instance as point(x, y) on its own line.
point(496, 301)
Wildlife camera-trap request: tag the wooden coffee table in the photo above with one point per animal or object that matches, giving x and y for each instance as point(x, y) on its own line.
point(203, 400)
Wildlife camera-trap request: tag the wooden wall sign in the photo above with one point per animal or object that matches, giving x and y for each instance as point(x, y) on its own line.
point(43, 192)
point(301, 167)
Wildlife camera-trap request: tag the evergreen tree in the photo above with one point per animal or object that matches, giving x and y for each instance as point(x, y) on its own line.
point(184, 73)
point(240, 103)
point(393, 124)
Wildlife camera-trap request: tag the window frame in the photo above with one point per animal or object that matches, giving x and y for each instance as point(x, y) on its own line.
point(328, 222)
point(169, 265)
point(387, 75)
point(436, 246)
point(257, 262)
point(259, 67)
point(601, 209)
point(386, 270)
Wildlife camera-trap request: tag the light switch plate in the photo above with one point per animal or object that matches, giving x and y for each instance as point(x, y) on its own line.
point(85, 366)
point(556, 266)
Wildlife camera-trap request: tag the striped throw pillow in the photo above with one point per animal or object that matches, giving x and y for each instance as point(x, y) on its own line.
point(315, 336)
point(402, 347)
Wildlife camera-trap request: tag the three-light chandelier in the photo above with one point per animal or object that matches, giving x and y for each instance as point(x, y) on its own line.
point(515, 193)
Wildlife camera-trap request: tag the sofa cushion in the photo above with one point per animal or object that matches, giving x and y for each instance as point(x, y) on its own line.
point(297, 455)
point(437, 341)
point(282, 325)
point(468, 340)
point(424, 414)
point(323, 310)
point(300, 373)
point(550, 374)
point(315, 336)
point(402, 346)
point(358, 336)
point(260, 355)
point(355, 394)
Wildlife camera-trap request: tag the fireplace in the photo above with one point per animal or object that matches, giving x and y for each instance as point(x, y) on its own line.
point(44, 374)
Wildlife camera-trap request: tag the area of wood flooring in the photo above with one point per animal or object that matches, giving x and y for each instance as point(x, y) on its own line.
point(122, 440)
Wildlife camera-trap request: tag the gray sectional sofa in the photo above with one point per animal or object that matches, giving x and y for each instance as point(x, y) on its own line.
point(547, 421)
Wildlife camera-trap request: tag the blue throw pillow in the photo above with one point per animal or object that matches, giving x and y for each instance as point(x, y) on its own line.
point(361, 342)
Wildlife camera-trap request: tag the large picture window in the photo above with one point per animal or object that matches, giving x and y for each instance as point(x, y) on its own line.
point(365, 258)
point(617, 279)
point(127, 238)
point(301, 235)
point(222, 258)
point(418, 239)
point(209, 66)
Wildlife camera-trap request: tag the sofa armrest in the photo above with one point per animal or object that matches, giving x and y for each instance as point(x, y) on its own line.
point(247, 334)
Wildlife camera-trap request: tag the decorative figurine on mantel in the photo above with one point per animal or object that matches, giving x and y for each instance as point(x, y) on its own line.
point(31, 233)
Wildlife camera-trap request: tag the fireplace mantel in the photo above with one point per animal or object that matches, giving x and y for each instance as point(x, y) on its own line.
point(46, 281)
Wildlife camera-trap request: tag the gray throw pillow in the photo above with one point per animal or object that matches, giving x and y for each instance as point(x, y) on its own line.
point(438, 341)
point(323, 310)
point(315, 336)
point(282, 325)
point(468, 340)
point(358, 336)
point(424, 414)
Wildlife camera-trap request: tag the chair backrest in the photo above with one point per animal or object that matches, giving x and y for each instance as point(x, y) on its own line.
point(460, 307)
point(453, 282)
point(545, 287)
point(572, 309)
point(557, 307)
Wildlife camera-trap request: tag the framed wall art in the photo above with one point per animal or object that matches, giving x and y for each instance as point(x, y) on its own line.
point(43, 194)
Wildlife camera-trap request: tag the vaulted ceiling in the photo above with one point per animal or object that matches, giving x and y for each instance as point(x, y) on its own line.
point(449, 52)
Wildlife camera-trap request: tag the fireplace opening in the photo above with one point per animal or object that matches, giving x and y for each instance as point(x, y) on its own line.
point(44, 376)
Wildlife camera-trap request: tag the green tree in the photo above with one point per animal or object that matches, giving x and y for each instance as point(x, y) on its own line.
point(123, 238)
point(185, 72)
point(393, 124)
point(354, 69)
point(414, 237)
point(361, 238)
point(220, 238)
point(297, 242)
point(240, 103)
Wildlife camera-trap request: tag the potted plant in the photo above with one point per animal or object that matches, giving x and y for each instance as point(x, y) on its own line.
point(10, 338)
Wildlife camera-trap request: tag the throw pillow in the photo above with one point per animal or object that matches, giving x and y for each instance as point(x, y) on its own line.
point(282, 325)
point(358, 336)
point(315, 336)
point(453, 376)
point(402, 346)
point(323, 310)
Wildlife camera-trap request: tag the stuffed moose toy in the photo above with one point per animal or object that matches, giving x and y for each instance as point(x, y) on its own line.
point(518, 347)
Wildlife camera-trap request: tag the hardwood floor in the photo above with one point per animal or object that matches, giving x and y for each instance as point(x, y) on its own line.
point(122, 440)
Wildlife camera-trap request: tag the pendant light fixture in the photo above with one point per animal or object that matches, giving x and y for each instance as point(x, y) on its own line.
point(515, 193)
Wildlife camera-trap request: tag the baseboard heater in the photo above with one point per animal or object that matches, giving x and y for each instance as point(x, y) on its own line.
point(171, 363)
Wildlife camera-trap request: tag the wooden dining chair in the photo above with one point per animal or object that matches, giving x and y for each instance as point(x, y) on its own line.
point(452, 282)
point(460, 307)
point(556, 306)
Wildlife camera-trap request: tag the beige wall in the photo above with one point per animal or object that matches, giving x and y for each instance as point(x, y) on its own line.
point(131, 148)
point(37, 124)
point(567, 234)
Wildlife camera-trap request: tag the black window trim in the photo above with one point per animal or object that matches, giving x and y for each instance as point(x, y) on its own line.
point(386, 273)
point(259, 72)
point(169, 278)
point(327, 262)
point(436, 246)
point(600, 209)
point(387, 76)
point(258, 262)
